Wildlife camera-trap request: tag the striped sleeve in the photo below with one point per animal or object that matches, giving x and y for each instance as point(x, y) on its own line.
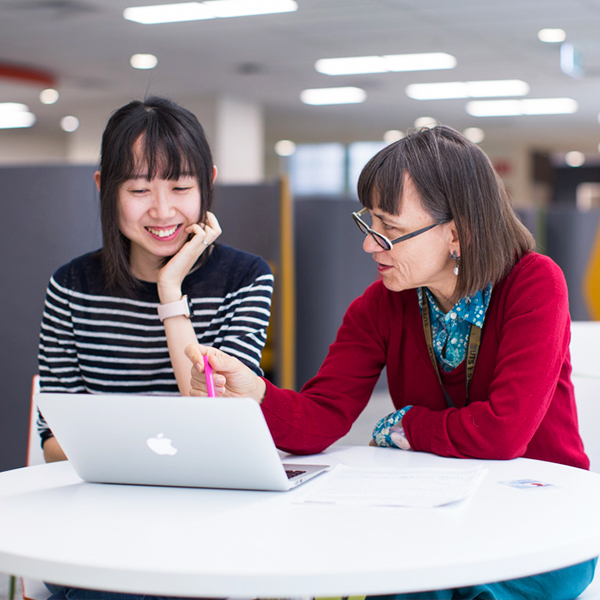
point(57, 357)
point(58, 364)
point(237, 323)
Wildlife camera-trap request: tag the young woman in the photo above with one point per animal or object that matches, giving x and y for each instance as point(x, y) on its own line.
point(117, 320)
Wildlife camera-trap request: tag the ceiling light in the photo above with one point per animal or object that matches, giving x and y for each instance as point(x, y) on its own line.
point(384, 64)
point(549, 106)
point(437, 91)
point(143, 61)
point(285, 147)
point(493, 108)
point(467, 89)
point(247, 8)
point(426, 122)
point(575, 158)
point(351, 65)
point(420, 62)
point(49, 96)
point(167, 13)
point(474, 134)
point(16, 120)
point(393, 135)
point(337, 95)
point(12, 107)
point(69, 124)
point(211, 9)
point(528, 106)
point(552, 36)
point(14, 115)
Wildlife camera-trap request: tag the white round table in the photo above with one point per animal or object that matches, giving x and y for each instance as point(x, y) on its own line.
point(193, 542)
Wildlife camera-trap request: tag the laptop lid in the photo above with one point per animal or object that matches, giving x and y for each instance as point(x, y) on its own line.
point(169, 440)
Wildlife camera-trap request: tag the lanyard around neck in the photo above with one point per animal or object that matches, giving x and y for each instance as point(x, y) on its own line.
point(472, 348)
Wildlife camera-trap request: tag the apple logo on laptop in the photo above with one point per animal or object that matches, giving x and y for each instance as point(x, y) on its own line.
point(161, 445)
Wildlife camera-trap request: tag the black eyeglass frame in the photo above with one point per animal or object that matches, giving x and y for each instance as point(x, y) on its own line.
point(383, 241)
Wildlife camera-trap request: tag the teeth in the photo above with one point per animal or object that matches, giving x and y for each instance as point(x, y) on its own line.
point(162, 232)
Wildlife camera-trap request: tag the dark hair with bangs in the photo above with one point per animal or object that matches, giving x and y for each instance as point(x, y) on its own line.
point(173, 145)
point(455, 180)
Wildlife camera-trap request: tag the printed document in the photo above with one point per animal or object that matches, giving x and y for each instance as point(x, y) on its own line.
point(426, 487)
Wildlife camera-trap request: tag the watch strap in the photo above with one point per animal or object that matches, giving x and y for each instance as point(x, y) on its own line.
point(174, 309)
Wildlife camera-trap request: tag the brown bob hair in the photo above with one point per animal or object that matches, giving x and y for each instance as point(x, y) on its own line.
point(173, 144)
point(456, 181)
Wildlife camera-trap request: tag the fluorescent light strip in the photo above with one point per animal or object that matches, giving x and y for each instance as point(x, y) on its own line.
point(167, 13)
point(529, 106)
point(420, 62)
point(351, 66)
point(245, 8)
point(338, 95)
point(211, 9)
point(14, 115)
point(17, 121)
point(12, 108)
point(467, 89)
point(385, 64)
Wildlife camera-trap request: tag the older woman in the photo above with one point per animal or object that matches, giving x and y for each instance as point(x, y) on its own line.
point(471, 324)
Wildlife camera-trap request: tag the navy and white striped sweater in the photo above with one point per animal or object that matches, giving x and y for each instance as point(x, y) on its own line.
point(92, 341)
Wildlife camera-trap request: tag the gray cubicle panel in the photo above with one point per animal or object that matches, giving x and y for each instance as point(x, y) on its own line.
point(249, 217)
point(258, 219)
point(570, 239)
point(49, 215)
point(332, 269)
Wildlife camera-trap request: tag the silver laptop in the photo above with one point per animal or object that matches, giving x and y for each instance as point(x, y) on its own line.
point(170, 440)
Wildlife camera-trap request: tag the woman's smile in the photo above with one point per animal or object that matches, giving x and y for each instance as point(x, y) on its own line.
point(164, 234)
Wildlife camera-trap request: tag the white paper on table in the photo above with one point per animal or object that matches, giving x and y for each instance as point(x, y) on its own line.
point(414, 487)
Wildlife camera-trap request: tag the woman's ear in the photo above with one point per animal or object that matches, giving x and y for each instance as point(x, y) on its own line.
point(215, 171)
point(454, 239)
point(97, 179)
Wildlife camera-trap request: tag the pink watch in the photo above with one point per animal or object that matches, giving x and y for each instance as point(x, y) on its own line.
point(174, 309)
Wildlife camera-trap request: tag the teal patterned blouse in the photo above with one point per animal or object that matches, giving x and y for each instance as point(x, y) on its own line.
point(450, 331)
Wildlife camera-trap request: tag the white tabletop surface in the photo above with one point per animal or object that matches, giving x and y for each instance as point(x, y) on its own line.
point(220, 543)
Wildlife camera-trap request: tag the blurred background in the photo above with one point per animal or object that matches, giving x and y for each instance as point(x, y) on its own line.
point(521, 77)
point(295, 97)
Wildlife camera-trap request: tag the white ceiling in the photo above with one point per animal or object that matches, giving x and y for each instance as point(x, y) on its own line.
point(86, 45)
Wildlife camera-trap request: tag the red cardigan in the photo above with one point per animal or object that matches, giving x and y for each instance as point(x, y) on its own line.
point(521, 397)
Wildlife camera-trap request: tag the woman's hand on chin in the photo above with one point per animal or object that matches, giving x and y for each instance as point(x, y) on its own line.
point(171, 276)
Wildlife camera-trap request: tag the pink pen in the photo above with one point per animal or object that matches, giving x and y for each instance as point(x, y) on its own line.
point(208, 374)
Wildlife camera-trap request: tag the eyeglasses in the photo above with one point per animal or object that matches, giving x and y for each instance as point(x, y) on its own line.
point(384, 242)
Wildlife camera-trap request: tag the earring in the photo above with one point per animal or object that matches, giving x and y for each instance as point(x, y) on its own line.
point(456, 258)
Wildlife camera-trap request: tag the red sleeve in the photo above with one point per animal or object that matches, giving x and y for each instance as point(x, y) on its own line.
point(324, 410)
point(531, 321)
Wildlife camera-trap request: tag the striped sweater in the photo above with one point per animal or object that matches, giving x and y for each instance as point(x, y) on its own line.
point(92, 341)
